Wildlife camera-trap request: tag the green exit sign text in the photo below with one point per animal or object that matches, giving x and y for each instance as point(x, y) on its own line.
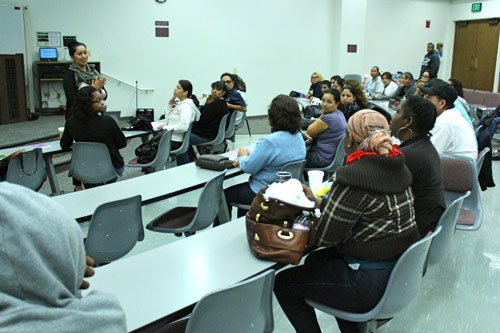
point(476, 7)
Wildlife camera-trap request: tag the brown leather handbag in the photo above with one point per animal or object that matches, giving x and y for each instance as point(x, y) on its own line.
point(269, 230)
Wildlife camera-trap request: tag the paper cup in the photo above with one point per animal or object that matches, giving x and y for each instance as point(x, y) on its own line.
point(315, 179)
point(61, 131)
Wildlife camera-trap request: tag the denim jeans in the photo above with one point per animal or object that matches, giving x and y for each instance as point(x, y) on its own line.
point(493, 126)
point(327, 279)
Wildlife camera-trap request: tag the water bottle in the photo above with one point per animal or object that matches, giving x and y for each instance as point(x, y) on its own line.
point(302, 222)
point(282, 176)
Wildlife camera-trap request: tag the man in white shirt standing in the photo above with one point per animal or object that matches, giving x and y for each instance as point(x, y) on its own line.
point(451, 133)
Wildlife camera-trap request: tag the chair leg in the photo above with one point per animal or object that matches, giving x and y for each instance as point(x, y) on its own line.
point(248, 127)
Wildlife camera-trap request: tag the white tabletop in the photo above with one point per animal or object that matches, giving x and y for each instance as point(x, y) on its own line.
point(53, 147)
point(383, 105)
point(156, 283)
point(158, 184)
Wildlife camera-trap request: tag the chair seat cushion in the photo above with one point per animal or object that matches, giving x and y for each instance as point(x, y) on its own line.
point(466, 217)
point(176, 218)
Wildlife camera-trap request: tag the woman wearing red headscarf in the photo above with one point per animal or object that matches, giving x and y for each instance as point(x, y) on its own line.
point(367, 222)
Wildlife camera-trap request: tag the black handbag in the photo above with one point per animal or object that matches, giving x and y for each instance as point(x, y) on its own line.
point(215, 162)
point(139, 124)
point(146, 152)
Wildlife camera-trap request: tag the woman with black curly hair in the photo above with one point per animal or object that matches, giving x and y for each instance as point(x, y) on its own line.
point(88, 123)
point(411, 125)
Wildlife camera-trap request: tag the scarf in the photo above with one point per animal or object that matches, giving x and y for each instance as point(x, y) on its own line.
point(84, 76)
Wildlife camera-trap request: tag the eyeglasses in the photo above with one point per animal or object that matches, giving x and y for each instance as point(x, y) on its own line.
point(227, 82)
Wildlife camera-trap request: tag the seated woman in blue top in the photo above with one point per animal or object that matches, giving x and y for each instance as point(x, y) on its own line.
point(206, 129)
point(326, 131)
point(233, 97)
point(272, 152)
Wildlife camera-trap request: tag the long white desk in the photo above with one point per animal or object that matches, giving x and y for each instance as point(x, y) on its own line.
point(383, 104)
point(157, 283)
point(154, 186)
point(53, 147)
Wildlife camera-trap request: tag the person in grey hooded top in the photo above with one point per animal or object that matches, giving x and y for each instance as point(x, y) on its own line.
point(42, 260)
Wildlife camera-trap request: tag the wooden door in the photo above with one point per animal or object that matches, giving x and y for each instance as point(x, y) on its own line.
point(13, 106)
point(486, 55)
point(475, 53)
point(463, 52)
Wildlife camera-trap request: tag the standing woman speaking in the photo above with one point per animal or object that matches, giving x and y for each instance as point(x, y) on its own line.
point(80, 74)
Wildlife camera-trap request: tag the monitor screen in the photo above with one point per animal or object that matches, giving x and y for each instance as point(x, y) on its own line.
point(48, 53)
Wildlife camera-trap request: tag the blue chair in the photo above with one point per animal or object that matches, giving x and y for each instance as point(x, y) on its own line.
point(188, 220)
point(161, 158)
point(441, 244)
point(91, 163)
point(27, 169)
point(114, 229)
point(244, 307)
point(337, 162)
point(403, 286)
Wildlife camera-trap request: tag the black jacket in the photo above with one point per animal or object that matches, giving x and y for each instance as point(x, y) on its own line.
point(425, 166)
point(98, 129)
point(211, 115)
point(431, 64)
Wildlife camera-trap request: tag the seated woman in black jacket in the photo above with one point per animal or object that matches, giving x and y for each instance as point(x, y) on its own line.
point(87, 123)
point(411, 125)
point(205, 129)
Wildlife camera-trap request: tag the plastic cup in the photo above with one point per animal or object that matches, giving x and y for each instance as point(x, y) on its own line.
point(315, 179)
point(61, 131)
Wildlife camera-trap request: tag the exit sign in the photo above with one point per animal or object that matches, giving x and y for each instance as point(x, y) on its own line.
point(476, 7)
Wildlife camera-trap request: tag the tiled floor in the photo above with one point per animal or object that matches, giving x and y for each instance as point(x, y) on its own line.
point(460, 295)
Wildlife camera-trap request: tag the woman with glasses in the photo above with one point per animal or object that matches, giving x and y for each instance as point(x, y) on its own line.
point(89, 124)
point(235, 101)
point(315, 88)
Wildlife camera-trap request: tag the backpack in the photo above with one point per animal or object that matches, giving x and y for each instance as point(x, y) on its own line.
point(146, 152)
point(139, 124)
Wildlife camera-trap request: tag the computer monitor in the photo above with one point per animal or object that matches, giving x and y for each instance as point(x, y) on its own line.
point(48, 54)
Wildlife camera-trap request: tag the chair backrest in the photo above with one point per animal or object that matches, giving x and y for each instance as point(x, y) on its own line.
point(460, 174)
point(208, 203)
point(478, 97)
point(339, 158)
point(441, 243)
point(457, 175)
point(231, 127)
point(296, 169)
point(27, 169)
point(480, 158)
point(406, 277)
point(492, 100)
point(468, 94)
point(221, 134)
point(244, 307)
point(163, 153)
point(91, 163)
point(356, 77)
point(114, 229)
point(185, 143)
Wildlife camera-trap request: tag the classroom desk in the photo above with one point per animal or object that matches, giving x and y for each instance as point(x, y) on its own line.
point(53, 147)
point(152, 187)
point(157, 283)
point(383, 105)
